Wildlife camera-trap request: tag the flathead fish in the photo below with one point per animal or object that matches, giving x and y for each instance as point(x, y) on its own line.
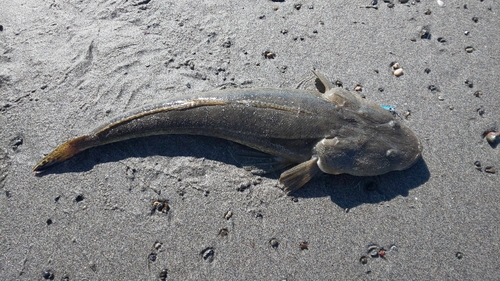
point(330, 130)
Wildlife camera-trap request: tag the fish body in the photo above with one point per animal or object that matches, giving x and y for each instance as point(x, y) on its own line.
point(335, 132)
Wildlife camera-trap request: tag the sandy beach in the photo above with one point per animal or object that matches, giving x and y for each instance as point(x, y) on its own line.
point(180, 207)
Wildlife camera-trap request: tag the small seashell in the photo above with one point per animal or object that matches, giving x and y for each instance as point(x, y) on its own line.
point(398, 72)
point(363, 260)
point(274, 243)
point(395, 66)
point(382, 252)
point(491, 137)
point(393, 248)
point(490, 169)
point(163, 274)
point(373, 250)
point(208, 254)
point(223, 232)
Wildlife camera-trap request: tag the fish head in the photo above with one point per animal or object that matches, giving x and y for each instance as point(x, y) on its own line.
point(369, 142)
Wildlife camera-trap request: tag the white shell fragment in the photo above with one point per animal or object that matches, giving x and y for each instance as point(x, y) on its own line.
point(398, 72)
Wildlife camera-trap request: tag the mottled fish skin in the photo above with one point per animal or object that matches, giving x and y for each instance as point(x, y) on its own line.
point(334, 132)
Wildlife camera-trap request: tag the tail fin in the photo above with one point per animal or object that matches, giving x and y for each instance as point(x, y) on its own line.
point(63, 152)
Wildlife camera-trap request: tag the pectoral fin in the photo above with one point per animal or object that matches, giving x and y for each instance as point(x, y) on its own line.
point(257, 162)
point(299, 175)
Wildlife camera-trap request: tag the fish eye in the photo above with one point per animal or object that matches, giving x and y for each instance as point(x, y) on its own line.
point(391, 153)
point(393, 124)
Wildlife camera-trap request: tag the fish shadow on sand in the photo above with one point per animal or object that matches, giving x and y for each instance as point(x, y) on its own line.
point(345, 190)
point(350, 191)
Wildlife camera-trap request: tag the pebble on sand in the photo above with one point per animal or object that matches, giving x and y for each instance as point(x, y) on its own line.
point(398, 72)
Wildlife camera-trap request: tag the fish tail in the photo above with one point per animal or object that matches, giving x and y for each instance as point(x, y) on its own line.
point(63, 152)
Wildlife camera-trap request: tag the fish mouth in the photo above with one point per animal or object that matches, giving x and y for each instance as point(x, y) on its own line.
point(417, 154)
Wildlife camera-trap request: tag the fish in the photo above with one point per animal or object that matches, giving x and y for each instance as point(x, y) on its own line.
point(329, 130)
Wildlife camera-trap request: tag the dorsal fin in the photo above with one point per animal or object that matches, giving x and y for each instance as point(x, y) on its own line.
point(322, 84)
